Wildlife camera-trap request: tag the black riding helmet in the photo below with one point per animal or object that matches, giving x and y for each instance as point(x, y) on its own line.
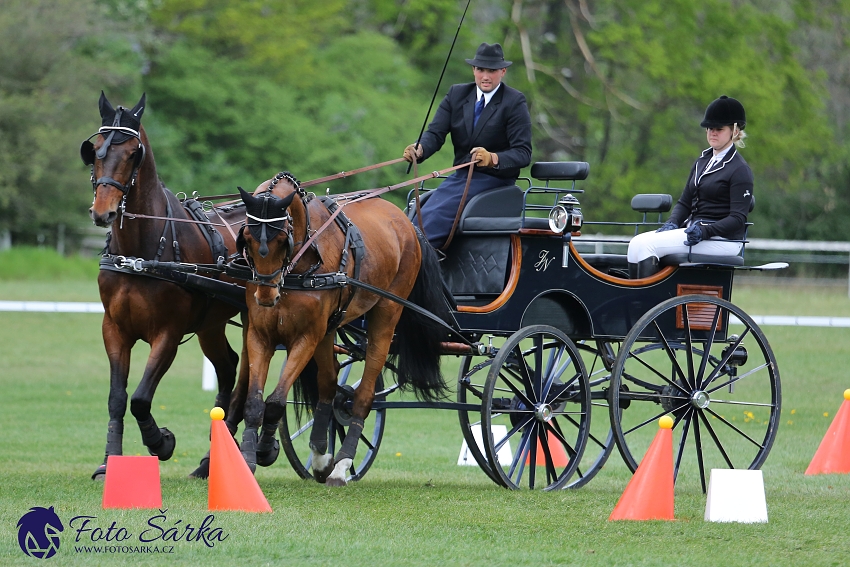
point(724, 111)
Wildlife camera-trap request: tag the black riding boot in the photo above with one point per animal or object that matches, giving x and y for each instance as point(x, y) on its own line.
point(643, 269)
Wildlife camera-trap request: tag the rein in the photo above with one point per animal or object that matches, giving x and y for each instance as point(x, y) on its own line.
point(368, 195)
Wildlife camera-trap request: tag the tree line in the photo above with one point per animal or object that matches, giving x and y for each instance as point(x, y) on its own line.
point(238, 90)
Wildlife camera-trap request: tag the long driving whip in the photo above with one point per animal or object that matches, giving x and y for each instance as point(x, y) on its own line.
point(436, 90)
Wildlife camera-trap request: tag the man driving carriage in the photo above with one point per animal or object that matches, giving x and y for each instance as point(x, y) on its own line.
point(489, 122)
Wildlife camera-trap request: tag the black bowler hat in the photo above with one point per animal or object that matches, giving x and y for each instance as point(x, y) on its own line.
point(489, 56)
point(724, 111)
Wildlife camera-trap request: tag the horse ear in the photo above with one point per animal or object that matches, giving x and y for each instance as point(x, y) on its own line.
point(247, 198)
point(139, 108)
point(106, 110)
point(286, 201)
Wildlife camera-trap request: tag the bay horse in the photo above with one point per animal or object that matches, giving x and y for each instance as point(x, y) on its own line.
point(141, 306)
point(373, 242)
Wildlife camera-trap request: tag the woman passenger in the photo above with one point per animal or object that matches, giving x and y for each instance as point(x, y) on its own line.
point(714, 205)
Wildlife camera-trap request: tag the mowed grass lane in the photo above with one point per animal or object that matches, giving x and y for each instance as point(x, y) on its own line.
point(415, 506)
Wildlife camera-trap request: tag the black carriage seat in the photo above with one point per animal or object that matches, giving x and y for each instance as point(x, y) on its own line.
point(477, 262)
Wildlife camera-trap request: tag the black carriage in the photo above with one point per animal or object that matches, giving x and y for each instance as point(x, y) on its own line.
point(564, 357)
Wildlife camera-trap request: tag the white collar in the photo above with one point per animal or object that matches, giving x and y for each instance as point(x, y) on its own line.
point(487, 96)
point(720, 155)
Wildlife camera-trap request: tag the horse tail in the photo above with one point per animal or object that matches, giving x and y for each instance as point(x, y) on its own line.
point(416, 355)
point(305, 390)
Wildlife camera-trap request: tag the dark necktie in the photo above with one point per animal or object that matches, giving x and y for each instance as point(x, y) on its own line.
point(479, 106)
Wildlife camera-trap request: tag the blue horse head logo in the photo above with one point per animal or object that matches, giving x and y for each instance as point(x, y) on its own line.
point(38, 532)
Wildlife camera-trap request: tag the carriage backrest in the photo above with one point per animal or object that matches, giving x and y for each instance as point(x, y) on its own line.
point(560, 170)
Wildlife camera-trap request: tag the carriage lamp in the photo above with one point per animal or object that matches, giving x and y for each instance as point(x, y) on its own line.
point(565, 215)
point(738, 358)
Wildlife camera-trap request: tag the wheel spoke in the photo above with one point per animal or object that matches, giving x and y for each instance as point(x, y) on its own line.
point(732, 426)
point(724, 361)
point(657, 373)
point(682, 441)
point(716, 440)
point(698, 440)
point(518, 462)
point(689, 350)
point(707, 349)
point(672, 356)
point(518, 427)
point(304, 428)
point(738, 378)
point(654, 418)
point(516, 391)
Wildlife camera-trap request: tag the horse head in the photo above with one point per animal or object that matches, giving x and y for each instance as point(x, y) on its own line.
point(115, 158)
point(266, 240)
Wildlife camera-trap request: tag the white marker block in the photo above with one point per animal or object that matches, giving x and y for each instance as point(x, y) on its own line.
point(209, 380)
point(499, 432)
point(736, 496)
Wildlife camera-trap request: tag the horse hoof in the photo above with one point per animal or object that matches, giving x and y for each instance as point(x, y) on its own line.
point(323, 466)
point(99, 473)
point(165, 448)
point(267, 458)
point(203, 470)
point(332, 481)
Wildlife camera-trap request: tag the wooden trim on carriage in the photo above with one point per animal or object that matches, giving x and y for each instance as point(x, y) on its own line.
point(513, 278)
point(657, 277)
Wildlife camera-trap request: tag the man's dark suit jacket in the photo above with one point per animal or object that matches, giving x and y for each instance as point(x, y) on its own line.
point(503, 128)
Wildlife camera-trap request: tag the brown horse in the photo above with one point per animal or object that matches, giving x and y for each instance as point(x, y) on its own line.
point(144, 306)
point(373, 242)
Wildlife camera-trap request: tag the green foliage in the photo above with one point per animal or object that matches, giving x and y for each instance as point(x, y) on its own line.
point(240, 90)
point(215, 123)
point(55, 56)
point(642, 74)
point(28, 263)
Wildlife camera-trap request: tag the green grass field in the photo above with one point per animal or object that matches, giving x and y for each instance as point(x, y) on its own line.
point(415, 506)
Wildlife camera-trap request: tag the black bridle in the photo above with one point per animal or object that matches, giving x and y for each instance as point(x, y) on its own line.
point(89, 155)
point(261, 225)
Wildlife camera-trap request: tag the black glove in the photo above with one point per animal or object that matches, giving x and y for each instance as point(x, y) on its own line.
point(694, 233)
point(669, 225)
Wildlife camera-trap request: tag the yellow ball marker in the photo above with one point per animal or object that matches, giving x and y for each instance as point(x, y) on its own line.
point(217, 414)
point(666, 422)
point(847, 394)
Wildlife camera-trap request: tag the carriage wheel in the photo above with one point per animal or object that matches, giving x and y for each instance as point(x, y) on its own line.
point(470, 390)
point(598, 360)
point(705, 362)
point(538, 392)
point(295, 433)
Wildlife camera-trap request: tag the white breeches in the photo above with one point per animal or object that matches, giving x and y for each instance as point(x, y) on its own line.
point(660, 244)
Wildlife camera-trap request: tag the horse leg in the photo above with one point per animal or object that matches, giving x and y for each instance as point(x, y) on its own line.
point(298, 358)
point(382, 321)
point(159, 441)
point(224, 359)
point(260, 354)
point(118, 350)
point(236, 413)
point(326, 376)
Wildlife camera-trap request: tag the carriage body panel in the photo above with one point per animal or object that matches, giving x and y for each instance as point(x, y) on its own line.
point(554, 288)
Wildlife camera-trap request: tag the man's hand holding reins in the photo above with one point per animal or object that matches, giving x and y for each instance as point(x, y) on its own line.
point(484, 158)
point(413, 152)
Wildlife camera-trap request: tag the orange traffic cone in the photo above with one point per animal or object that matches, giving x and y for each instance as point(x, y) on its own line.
point(649, 494)
point(132, 482)
point(833, 454)
point(556, 449)
point(231, 484)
